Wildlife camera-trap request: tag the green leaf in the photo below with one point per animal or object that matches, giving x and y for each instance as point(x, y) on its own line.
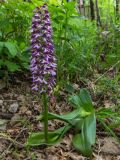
point(12, 48)
point(78, 123)
point(1, 46)
point(65, 117)
point(1, 62)
point(106, 113)
point(86, 139)
point(25, 57)
point(108, 129)
point(12, 67)
point(54, 137)
point(0, 34)
point(71, 117)
point(89, 128)
point(85, 100)
point(75, 100)
point(70, 6)
point(25, 65)
point(70, 88)
point(80, 145)
point(58, 2)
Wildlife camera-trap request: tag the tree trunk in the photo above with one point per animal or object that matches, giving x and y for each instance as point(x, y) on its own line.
point(92, 11)
point(117, 9)
point(81, 7)
point(98, 14)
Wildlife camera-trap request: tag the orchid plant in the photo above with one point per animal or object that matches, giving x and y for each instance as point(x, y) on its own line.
point(43, 69)
point(43, 62)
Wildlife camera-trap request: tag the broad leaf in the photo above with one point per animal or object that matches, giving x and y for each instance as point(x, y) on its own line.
point(11, 66)
point(70, 6)
point(80, 144)
point(70, 117)
point(85, 100)
point(89, 128)
point(75, 100)
point(65, 117)
point(12, 48)
point(54, 137)
point(86, 138)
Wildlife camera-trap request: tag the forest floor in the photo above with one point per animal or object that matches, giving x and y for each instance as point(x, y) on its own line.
point(18, 110)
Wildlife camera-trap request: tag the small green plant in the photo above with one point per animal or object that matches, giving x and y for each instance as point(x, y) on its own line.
point(75, 39)
point(83, 120)
point(14, 22)
point(14, 36)
point(9, 55)
point(109, 119)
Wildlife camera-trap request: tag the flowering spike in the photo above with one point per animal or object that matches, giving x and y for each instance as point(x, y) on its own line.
point(43, 62)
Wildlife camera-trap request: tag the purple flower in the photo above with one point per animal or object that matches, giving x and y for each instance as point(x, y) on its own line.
point(43, 62)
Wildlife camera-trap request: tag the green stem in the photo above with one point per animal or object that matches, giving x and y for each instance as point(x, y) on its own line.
point(45, 117)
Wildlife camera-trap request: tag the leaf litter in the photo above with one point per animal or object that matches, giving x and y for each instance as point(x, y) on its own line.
point(23, 120)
